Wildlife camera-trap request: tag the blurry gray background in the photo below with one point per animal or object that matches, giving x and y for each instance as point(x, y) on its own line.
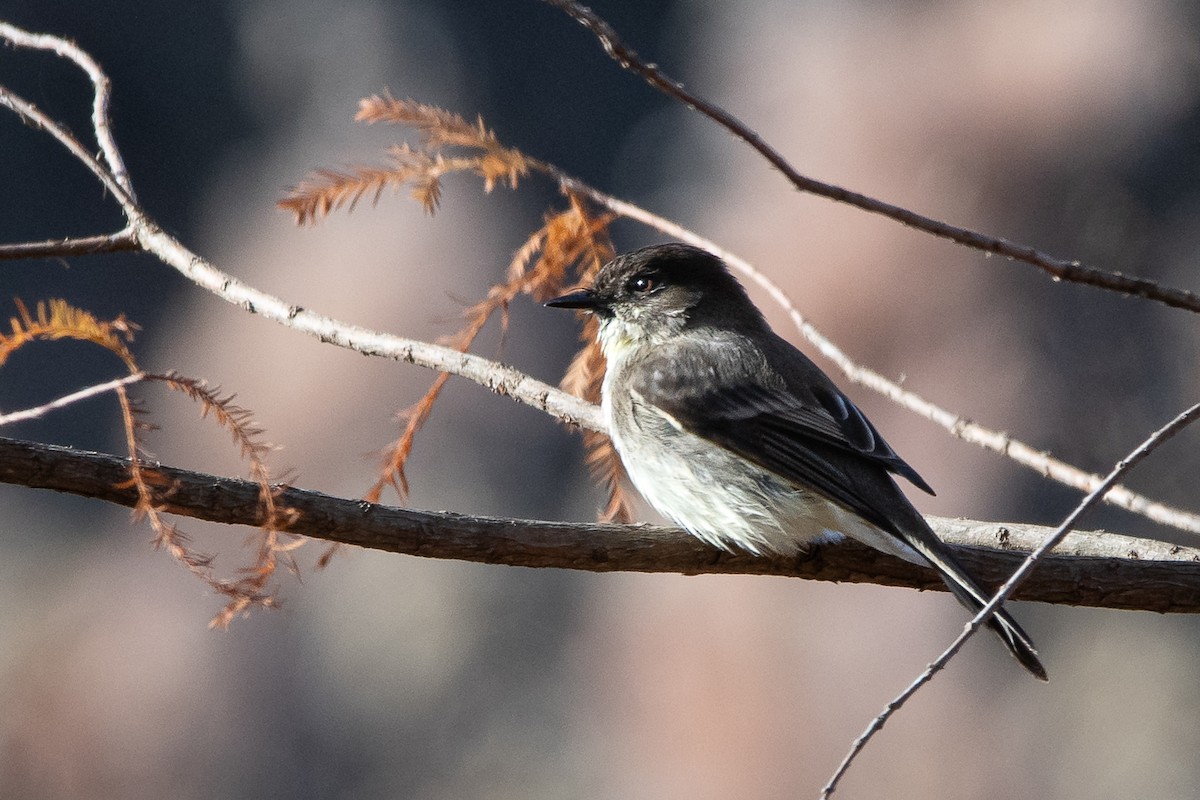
point(1072, 126)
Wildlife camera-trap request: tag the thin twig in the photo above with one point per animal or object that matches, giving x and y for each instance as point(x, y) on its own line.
point(100, 82)
point(31, 115)
point(1010, 586)
point(66, 400)
point(121, 241)
point(1059, 269)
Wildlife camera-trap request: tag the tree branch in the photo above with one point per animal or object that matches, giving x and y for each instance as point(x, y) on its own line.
point(121, 241)
point(102, 91)
point(501, 379)
point(1059, 269)
point(74, 397)
point(34, 117)
point(1091, 569)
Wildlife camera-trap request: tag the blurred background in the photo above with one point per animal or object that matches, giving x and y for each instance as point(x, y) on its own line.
point(1071, 126)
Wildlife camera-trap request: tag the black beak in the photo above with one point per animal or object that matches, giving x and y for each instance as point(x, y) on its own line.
point(580, 298)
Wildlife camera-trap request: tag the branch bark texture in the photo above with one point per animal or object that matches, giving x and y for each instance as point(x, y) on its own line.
point(1090, 569)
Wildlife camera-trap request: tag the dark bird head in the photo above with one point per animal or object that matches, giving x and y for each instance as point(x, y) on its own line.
point(649, 295)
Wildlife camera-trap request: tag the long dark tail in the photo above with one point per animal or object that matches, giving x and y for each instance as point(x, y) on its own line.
point(964, 587)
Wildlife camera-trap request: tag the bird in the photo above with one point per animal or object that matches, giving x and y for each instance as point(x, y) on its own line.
point(730, 431)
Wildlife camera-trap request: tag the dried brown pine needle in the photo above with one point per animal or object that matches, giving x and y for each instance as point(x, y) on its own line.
point(328, 190)
point(437, 124)
point(573, 242)
point(441, 129)
point(273, 546)
point(570, 247)
point(58, 319)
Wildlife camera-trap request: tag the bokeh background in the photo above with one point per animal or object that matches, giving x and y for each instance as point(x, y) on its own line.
point(1073, 126)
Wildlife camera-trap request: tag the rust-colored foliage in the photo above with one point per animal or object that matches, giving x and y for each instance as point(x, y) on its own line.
point(570, 243)
point(328, 190)
point(569, 248)
point(272, 545)
point(586, 373)
point(56, 320)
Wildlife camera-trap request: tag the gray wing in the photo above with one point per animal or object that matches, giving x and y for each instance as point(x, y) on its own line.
point(781, 412)
point(784, 420)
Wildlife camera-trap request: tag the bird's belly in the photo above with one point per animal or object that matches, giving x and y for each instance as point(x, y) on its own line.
point(720, 497)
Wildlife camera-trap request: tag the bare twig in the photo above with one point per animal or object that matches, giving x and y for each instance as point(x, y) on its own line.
point(1010, 586)
point(35, 117)
point(1093, 568)
point(66, 400)
point(121, 241)
point(100, 82)
point(1059, 269)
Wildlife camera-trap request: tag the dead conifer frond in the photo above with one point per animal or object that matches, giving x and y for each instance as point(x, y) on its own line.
point(392, 472)
point(572, 242)
point(569, 248)
point(439, 127)
point(327, 190)
point(150, 486)
point(235, 419)
point(586, 371)
point(58, 319)
point(273, 545)
point(562, 244)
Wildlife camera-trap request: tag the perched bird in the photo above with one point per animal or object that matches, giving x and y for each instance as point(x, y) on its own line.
point(733, 433)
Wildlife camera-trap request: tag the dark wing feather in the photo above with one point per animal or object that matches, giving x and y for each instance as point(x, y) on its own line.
point(775, 408)
point(802, 447)
point(807, 431)
point(829, 417)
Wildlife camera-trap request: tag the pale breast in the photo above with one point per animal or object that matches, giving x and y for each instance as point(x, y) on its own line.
point(711, 492)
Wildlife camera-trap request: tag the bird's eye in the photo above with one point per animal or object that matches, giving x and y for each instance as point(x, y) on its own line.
point(641, 284)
